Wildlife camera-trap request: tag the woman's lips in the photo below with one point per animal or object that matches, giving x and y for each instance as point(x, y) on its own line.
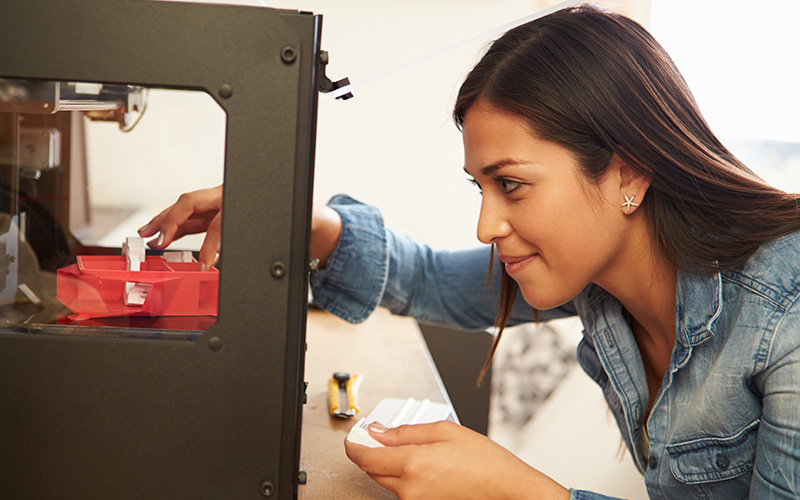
point(517, 264)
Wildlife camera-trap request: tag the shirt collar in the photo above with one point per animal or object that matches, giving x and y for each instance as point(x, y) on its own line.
point(697, 306)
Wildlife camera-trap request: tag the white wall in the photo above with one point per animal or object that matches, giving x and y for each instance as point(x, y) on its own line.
point(177, 146)
point(739, 57)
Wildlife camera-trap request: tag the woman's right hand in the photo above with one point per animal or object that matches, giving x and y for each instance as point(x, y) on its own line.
point(193, 213)
point(201, 210)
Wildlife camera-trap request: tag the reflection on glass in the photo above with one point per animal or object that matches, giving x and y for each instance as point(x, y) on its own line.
point(82, 166)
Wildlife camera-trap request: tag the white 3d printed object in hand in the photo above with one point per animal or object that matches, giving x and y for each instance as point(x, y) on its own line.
point(396, 412)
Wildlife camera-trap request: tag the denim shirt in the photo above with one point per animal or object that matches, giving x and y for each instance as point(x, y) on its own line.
point(726, 421)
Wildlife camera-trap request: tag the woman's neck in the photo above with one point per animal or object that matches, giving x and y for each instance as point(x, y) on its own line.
point(644, 282)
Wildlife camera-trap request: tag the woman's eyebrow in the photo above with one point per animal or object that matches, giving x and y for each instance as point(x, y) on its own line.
point(490, 169)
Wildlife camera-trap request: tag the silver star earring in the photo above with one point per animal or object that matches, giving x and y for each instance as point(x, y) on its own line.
point(629, 202)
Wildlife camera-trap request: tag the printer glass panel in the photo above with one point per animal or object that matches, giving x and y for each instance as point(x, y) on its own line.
point(83, 165)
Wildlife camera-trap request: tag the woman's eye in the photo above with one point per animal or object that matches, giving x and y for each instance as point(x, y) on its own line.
point(508, 185)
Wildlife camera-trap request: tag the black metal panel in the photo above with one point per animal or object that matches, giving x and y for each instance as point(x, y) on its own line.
point(94, 417)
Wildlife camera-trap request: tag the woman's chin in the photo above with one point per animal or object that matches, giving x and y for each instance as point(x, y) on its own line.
point(543, 301)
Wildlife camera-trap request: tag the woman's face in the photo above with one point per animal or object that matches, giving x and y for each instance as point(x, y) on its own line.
point(554, 232)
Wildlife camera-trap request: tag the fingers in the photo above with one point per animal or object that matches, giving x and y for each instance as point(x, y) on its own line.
point(154, 225)
point(192, 226)
point(402, 443)
point(192, 213)
point(209, 251)
point(377, 461)
point(168, 223)
point(414, 434)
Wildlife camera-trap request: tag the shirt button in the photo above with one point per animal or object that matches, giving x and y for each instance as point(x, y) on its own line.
point(652, 462)
point(723, 462)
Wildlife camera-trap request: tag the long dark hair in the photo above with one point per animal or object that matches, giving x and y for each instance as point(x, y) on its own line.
point(598, 83)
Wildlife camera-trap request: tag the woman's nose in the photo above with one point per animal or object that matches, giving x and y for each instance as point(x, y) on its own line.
point(492, 222)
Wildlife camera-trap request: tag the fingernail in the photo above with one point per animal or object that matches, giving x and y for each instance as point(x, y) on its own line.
point(160, 240)
point(378, 427)
point(203, 267)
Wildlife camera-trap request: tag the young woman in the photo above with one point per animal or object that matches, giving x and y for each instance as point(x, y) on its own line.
point(605, 195)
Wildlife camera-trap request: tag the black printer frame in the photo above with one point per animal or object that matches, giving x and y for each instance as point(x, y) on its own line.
point(219, 415)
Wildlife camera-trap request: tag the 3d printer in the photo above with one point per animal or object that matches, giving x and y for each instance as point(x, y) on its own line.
point(143, 406)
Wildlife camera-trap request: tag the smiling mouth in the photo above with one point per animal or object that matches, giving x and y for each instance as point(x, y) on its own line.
point(516, 264)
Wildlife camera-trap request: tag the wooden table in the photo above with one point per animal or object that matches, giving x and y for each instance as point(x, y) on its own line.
point(391, 354)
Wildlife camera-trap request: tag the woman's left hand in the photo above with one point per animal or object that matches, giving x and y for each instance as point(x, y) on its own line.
point(446, 460)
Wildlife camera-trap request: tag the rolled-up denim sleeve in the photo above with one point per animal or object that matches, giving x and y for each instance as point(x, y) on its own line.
point(352, 283)
point(776, 472)
point(588, 495)
point(373, 266)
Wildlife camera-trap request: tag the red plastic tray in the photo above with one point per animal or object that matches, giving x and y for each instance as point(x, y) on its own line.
point(94, 287)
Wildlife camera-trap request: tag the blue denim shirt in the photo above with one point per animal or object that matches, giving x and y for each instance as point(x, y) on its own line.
point(726, 421)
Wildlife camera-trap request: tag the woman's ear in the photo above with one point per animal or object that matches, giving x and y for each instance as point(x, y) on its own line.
point(632, 186)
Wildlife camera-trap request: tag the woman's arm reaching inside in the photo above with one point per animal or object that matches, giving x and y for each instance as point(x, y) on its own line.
point(201, 211)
